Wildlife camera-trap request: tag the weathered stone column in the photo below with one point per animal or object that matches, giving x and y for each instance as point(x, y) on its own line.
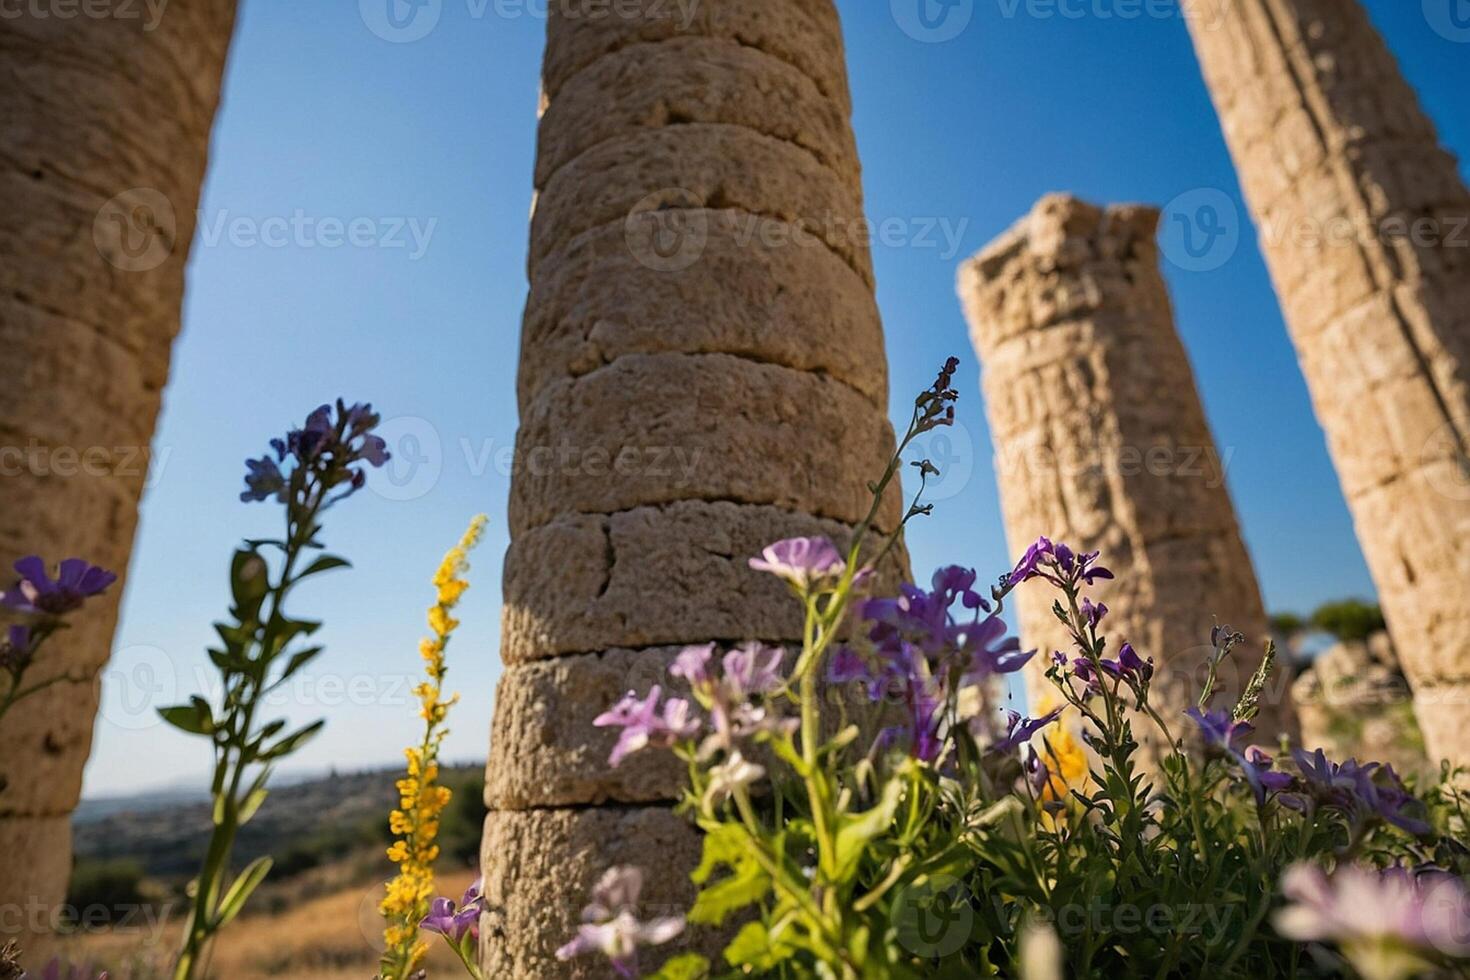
point(1365, 224)
point(702, 373)
point(1101, 442)
point(104, 129)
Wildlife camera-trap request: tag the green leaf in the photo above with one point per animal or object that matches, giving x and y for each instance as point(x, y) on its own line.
point(324, 564)
point(196, 718)
point(235, 898)
point(292, 742)
point(300, 659)
point(254, 797)
point(727, 845)
point(756, 950)
point(249, 582)
point(855, 832)
point(689, 966)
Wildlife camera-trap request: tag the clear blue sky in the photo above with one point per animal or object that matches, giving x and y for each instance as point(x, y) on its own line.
point(324, 119)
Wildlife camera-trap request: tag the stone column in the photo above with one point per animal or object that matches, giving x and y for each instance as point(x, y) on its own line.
point(702, 373)
point(104, 130)
point(1101, 442)
point(1365, 224)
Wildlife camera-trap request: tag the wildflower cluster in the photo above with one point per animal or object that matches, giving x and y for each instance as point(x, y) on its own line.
point(422, 799)
point(322, 459)
point(261, 647)
point(42, 603)
point(830, 841)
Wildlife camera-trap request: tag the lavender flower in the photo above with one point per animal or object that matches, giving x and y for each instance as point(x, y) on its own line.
point(693, 664)
point(610, 924)
point(935, 407)
point(1019, 729)
point(643, 725)
point(263, 481)
point(1129, 666)
point(803, 562)
point(38, 594)
point(456, 922)
point(752, 668)
point(1220, 731)
point(1362, 791)
point(1391, 924)
point(1058, 564)
point(323, 456)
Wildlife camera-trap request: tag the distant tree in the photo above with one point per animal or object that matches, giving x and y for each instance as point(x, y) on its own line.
point(105, 890)
point(1288, 624)
point(1350, 620)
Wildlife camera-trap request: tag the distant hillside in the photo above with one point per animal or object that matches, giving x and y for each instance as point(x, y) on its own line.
point(167, 833)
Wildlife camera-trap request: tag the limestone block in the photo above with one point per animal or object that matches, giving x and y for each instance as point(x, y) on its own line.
point(803, 33)
point(47, 740)
point(757, 289)
point(694, 80)
point(37, 860)
point(540, 867)
point(699, 166)
point(547, 751)
point(649, 577)
point(658, 428)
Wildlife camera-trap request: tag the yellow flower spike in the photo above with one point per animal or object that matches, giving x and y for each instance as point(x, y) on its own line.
point(416, 822)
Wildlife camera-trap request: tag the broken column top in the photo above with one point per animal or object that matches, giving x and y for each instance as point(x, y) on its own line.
point(1065, 258)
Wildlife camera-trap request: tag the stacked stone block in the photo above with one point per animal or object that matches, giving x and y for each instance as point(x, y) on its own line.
point(105, 125)
point(1101, 442)
point(702, 373)
point(1365, 224)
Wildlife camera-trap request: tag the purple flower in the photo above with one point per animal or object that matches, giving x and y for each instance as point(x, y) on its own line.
point(1029, 565)
point(610, 924)
point(935, 406)
point(17, 649)
point(1363, 791)
point(847, 666)
point(752, 669)
point(1037, 775)
point(329, 448)
point(801, 561)
point(36, 592)
point(1093, 613)
point(693, 663)
point(56, 970)
point(455, 923)
point(1019, 730)
point(1257, 765)
point(1220, 731)
point(1058, 564)
point(1129, 666)
point(263, 481)
point(991, 651)
point(1374, 915)
point(643, 725)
